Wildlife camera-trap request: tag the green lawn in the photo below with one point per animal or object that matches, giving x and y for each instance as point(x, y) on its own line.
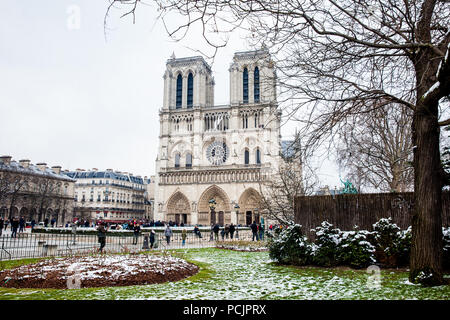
point(236, 275)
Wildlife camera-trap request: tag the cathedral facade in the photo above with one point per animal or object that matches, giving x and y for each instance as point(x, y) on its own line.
point(213, 159)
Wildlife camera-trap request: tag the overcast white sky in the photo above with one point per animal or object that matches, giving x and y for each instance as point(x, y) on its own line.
point(71, 97)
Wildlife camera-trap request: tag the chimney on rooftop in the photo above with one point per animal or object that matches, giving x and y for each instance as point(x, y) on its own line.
point(6, 160)
point(56, 169)
point(41, 166)
point(24, 163)
point(79, 170)
point(94, 169)
point(109, 170)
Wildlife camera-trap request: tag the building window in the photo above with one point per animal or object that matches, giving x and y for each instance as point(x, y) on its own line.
point(190, 90)
point(189, 160)
point(246, 157)
point(257, 119)
point(245, 85)
point(177, 160)
point(179, 91)
point(256, 84)
point(244, 120)
point(258, 156)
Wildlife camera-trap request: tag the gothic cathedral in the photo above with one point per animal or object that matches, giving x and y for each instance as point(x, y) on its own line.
point(212, 159)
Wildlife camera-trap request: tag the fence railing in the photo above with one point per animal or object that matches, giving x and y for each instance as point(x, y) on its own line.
point(37, 245)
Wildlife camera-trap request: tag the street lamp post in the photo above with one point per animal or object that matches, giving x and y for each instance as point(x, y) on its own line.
point(212, 206)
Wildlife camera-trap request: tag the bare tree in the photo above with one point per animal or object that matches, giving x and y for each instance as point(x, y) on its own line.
point(12, 185)
point(376, 149)
point(44, 194)
point(294, 177)
point(339, 58)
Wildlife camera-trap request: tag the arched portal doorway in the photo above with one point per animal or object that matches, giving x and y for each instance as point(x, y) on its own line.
point(250, 207)
point(178, 209)
point(221, 213)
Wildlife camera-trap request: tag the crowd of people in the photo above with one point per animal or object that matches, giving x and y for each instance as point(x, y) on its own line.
point(16, 224)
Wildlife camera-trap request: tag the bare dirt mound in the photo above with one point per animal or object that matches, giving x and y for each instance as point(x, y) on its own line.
point(98, 271)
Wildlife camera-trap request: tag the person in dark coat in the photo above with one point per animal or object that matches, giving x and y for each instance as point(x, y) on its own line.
point(254, 228)
point(168, 233)
point(227, 230)
point(101, 233)
point(14, 226)
point(152, 238)
point(197, 231)
point(1, 225)
point(216, 231)
point(136, 230)
point(232, 229)
point(261, 231)
point(21, 224)
point(46, 222)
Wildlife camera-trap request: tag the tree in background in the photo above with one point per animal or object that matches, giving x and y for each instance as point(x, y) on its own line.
point(375, 149)
point(293, 178)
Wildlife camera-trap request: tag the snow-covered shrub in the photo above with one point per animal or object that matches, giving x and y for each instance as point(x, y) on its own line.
point(355, 249)
point(326, 246)
point(392, 244)
point(290, 246)
point(404, 247)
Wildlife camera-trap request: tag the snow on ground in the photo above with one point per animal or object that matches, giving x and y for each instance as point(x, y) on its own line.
point(234, 275)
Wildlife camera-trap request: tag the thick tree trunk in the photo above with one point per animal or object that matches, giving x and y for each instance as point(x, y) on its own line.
point(426, 250)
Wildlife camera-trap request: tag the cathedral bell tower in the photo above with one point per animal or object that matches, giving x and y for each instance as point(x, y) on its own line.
point(252, 78)
point(188, 83)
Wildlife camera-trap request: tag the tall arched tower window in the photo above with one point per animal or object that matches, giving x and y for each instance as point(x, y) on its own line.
point(246, 157)
point(177, 160)
point(258, 156)
point(256, 84)
point(188, 160)
point(190, 90)
point(179, 91)
point(245, 85)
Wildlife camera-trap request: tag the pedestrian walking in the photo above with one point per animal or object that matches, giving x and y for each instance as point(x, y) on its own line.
point(14, 226)
point(6, 224)
point(1, 225)
point(261, 231)
point(33, 223)
point(216, 232)
point(46, 222)
point(168, 233)
point(232, 229)
point(227, 230)
point(74, 232)
point(53, 221)
point(222, 234)
point(101, 233)
point(183, 236)
point(152, 238)
point(197, 231)
point(254, 228)
point(136, 230)
point(21, 224)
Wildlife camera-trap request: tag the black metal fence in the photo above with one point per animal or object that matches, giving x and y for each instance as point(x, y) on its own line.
point(37, 245)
